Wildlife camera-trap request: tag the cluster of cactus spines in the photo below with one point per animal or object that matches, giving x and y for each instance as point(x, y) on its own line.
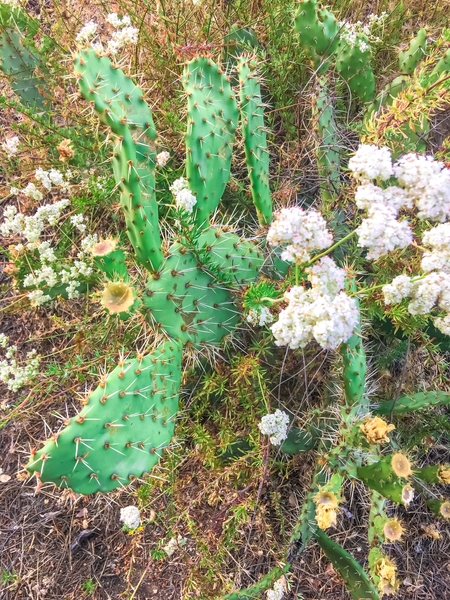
point(120, 105)
point(120, 433)
point(353, 64)
point(212, 120)
point(255, 138)
point(412, 402)
point(410, 58)
point(19, 58)
point(318, 32)
point(354, 576)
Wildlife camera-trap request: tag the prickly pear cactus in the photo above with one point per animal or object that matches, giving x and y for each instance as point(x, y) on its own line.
point(212, 121)
point(122, 430)
point(255, 140)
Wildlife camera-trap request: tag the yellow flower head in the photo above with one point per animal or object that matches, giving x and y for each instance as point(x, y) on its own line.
point(401, 465)
point(117, 297)
point(375, 430)
point(393, 530)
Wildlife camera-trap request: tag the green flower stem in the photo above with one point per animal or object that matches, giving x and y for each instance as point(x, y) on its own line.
point(330, 249)
point(377, 287)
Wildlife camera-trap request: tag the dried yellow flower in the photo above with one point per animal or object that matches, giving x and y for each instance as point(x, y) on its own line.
point(65, 150)
point(393, 530)
point(104, 247)
point(407, 494)
point(444, 474)
point(445, 510)
point(401, 465)
point(375, 430)
point(386, 570)
point(326, 509)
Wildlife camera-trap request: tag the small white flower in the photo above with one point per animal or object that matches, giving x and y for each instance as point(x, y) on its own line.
point(32, 192)
point(37, 298)
point(443, 324)
point(11, 146)
point(277, 592)
point(260, 316)
point(173, 544)
point(381, 232)
point(326, 277)
point(117, 22)
point(4, 339)
point(399, 288)
point(276, 426)
point(184, 198)
point(301, 230)
point(162, 158)
point(87, 32)
point(130, 516)
point(371, 162)
point(78, 222)
point(122, 37)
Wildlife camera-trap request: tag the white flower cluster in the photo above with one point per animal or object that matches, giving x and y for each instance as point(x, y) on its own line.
point(353, 37)
point(276, 425)
point(12, 374)
point(11, 146)
point(30, 191)
point(130, 516)
point(124, 34)
point(51, 178)
point(87, 32)
point(173, 544)
point(301, 230)
point(381, 233)
point(330, 321)
point(371, 162)
point(260, 316)
point(184, 198)
point(323, 312)
point(31, 227)
point(78, 222)
point(352, 32)
point(277, 592)
point(162, 158)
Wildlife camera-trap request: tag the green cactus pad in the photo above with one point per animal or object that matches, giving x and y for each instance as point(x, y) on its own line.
point(255, 139)
point(353, 64)
point(120, 105)
point(327, 152)
point(409, 59)
point(318, 32)
point(110, 261)
point(354, 576)
point(121, 432)
point(355, 365)
point(381, 478)
point(300, 440)
point(212, 121)
point(20, 60)
point(187, 302)
point(412, 402)
point(239, 261)
point(237, 41)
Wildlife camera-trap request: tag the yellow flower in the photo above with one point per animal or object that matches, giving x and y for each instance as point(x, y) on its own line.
point(117, 297)
point(401, 465)
point(393, 530)
point(375, 430)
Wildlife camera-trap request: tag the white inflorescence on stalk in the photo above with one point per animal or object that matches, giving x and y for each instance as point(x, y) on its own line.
point(162, 158)
point(11, 146)
point(87, 32)
point(302, 231)
point(130, 516)
point(371, 162)
point(13, 374)
point(400, 287)
point(276, 426)
point(326, 277)
point(381, 232)
point(184, 198)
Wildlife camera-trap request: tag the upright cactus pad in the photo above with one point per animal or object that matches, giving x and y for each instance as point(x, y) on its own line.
point(318, 32)
point(354, 576)
point(327, 152)
point(119, 104)
point(255, 139)
point(121, 432)
point(20, 60)
point(409, 59)
point(353, 64)
point(355, 366)
point(212, 121)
